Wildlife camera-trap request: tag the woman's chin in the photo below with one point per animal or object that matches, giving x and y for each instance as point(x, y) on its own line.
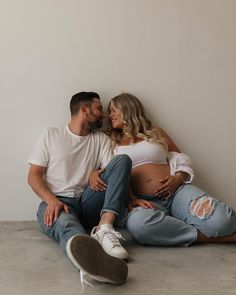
point(114, 126)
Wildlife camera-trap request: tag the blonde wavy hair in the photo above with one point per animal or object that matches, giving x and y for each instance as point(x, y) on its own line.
point(136, 124)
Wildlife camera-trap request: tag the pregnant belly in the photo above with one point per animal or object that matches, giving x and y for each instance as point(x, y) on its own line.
point(145, 179)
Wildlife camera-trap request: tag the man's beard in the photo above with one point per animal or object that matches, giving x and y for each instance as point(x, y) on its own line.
point(95, 124)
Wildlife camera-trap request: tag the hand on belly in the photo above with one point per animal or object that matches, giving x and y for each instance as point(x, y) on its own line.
point(160, 188)
point(147, 179)
point(168, 185)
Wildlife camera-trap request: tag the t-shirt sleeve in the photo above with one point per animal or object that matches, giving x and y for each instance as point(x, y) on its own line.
point(39, 155)
point(106, 152)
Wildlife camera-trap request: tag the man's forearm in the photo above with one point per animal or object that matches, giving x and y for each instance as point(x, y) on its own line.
point(40, 188)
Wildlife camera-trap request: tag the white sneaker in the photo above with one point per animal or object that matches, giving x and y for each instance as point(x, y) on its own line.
point(109, 239)
point(90, 258)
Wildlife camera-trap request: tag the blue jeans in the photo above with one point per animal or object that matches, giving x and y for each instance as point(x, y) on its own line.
point(177, 220)
point(85, 210)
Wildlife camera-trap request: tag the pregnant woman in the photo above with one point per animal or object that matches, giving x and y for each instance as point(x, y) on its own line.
point(165, 208)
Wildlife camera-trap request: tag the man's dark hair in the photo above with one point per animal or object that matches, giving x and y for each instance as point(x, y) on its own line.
point(81, 98)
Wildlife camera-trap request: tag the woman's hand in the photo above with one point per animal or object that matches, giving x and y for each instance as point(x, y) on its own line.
point(169, 185)
point(95, 181)
point(142, 203)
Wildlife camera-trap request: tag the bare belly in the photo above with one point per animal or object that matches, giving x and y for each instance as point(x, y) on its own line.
point(145, 179)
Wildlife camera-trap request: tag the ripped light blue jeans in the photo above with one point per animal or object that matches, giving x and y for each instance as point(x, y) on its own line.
point(176, 220)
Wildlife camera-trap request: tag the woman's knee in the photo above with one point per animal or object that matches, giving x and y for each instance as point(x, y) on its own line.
point(187, 193)
point(216, 218)
point(225, 220)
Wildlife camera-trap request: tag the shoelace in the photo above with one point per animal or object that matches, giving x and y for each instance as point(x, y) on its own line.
point(112, 236)
point(83, 281)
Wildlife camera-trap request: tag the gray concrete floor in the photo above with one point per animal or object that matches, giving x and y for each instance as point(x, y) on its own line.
point(32, 264)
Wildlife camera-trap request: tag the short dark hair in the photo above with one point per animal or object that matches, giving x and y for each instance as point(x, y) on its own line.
point(81, 98)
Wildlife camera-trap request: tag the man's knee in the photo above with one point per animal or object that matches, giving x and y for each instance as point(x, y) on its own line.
point(64, 220)
point(40, 214)
point(122, 160)
point(120, 165)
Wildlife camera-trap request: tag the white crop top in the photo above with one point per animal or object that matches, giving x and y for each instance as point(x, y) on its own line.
point(143, 152)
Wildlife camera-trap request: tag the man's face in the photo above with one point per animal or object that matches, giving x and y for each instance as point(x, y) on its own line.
point(96, 114)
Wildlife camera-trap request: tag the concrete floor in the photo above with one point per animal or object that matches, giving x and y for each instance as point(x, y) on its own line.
point(32, 264)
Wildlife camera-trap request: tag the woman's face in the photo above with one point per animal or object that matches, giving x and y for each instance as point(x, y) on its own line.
point(115, 118)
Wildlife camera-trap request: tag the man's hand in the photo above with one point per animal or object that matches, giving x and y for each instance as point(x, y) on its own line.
point(142, 203)
point(95, 181)
point(53, 211)
point(39, 186)
point(169, 184)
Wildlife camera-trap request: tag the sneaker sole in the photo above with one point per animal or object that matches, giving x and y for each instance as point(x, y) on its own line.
point(88, 255)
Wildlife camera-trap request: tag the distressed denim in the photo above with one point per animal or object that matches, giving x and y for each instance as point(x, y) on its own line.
point(85, 210)
point(176, 220)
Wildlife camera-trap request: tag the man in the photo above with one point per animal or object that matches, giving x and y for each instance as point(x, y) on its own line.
point(60, 165)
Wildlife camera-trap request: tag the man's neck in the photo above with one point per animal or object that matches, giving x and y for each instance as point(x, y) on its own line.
point(78, 128)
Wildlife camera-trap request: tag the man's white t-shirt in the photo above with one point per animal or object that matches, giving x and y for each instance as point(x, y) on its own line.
point(69, 158)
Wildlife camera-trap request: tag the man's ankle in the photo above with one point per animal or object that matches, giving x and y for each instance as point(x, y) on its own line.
point(108, 217)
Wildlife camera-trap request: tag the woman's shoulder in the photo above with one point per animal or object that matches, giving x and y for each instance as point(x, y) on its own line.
point(124, 140)
point(157, 129)
point(168, 140)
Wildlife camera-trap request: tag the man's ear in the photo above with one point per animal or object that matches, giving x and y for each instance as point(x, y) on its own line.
point(84, 110)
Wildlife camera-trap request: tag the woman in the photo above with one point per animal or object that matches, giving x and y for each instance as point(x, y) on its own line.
point(167, 209)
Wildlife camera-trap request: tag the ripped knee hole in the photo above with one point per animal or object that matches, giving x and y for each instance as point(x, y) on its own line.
point(202, 207)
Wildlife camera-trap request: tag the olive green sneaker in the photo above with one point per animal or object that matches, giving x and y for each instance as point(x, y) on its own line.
point(88, 256)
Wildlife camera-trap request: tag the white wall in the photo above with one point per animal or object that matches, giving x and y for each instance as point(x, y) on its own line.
point(178, 56)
